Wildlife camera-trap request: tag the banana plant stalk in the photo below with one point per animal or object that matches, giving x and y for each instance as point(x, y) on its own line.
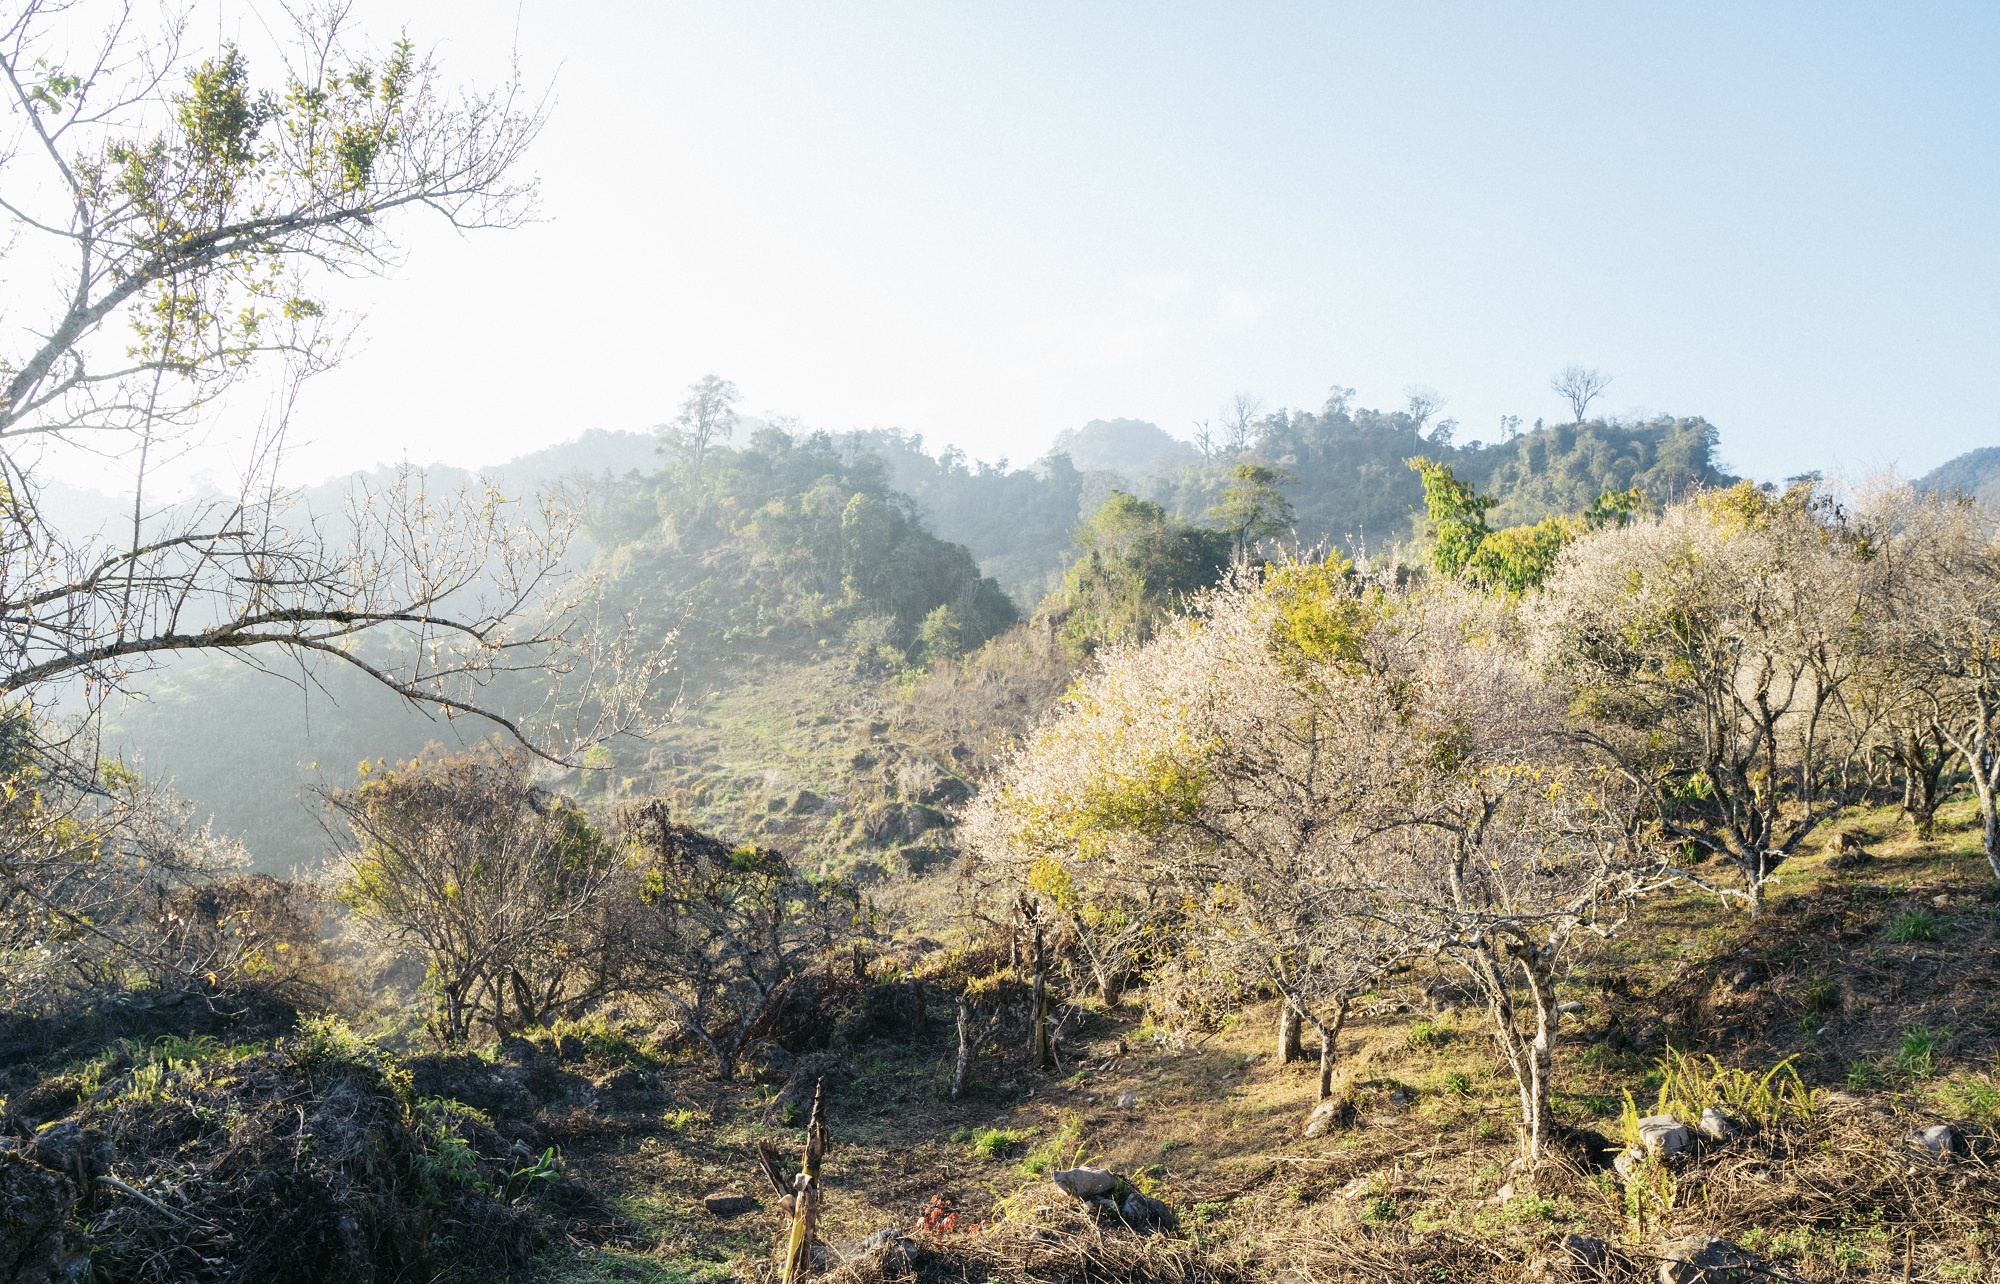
point(805, 1199)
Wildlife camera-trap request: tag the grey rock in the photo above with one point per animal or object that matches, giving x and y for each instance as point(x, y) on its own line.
point(1701, 1258)
point(1717, 1126)
point(1127, 1101)
point(892, 1243)
point(67, 1147)
point(37, 1245)
point(1143, 1212)
point(1627, 1162)
point(1663, 1136)
point(1504, 1194)
point(1326, 1116)
point(1085, 1183)
point(1570, 1008)
point(1587, 1250)
point(1941, 1141)
point(729, 1205)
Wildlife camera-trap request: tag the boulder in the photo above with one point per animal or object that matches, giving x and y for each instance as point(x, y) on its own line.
point(729, 1205)
point(1717, 1126)
point(36, 1244)
point(1663, 1136)
point(1326, 1116)
point(1085, 1183)
point(1143, 1212)
point(1700, 1258)
point(66, 1147)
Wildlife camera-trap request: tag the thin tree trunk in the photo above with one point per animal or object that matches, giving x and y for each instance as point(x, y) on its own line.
point(964, 1050)
point(1039, 1049)
point(1290, 1033)
point(1328, 1036)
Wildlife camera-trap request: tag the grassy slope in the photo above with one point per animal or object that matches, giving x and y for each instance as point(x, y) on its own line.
point(1216, 1126)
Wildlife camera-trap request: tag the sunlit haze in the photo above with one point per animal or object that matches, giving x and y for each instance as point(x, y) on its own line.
point(988, 223)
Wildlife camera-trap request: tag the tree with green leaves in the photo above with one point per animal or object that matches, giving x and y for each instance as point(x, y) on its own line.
point(1254, 509)
point(195, 214)
point(707, 417)
point(1134, 566)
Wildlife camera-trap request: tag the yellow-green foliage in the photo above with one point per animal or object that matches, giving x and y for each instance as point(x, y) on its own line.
point(1319, 620)
point(1690, 1084)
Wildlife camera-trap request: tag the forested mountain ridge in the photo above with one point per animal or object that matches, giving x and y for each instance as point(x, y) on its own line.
point(1976, 473)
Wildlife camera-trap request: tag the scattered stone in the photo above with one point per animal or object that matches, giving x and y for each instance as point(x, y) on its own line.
point(1941, 1140)
point(1663, 1136)
point(1941, 901)
point(1848, 852)
point(1357, 1188)
point(1326, 1116)
point(1717, 1126)
point(1627, 1163)
point(1504, 1194)
point(1127, 1101)
point(730, 1205)
point(1587, 1250)
point(1701, 1258)
point(1085, 1183)
point(896, 1243)
point(1143, 1212)
point(1570, 1008)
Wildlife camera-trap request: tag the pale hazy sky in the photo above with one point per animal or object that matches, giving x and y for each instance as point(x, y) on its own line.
point(990, 222)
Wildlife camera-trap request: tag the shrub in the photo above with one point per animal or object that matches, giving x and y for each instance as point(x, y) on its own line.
point(1687, 1087)
point(1913, 925)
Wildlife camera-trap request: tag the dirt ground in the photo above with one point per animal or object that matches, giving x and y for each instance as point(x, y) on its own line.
point(1892, 1028)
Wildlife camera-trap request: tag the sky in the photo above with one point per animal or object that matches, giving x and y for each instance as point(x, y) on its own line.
point(989, 222)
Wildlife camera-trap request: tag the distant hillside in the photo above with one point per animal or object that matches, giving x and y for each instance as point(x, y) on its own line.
point(1129, 447)
point(1976, 473)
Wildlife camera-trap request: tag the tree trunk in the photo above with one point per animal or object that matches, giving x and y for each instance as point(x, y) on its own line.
point(964, 1050)
point(1328, 1036)
point(1039, 1048)
point(1290, 1033)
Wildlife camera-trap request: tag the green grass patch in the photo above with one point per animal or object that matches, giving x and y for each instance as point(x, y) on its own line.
point(1912, 926)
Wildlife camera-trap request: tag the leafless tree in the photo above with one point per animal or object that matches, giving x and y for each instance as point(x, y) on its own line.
point(1579, 386)
point(1711, 648)
point(1336, 778)
point(507, 891)
point(1941, 623)
point(1422, 403)
point(722, 933)
point(1490, 836)
point(1239, 422)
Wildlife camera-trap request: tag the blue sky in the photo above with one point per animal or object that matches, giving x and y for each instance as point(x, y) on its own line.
point(990, 222)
